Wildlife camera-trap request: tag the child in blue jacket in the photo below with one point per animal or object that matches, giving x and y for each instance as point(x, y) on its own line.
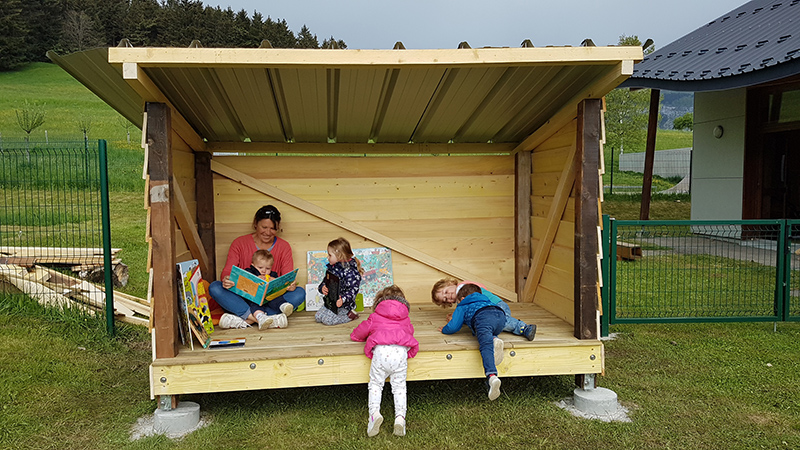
point(486, 320)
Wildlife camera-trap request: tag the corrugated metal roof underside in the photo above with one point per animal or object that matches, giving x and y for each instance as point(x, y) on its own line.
point(755, 43)
point(424, 103)
point(420, 105)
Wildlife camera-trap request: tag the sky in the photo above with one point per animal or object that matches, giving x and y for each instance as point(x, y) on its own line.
point(418, 24)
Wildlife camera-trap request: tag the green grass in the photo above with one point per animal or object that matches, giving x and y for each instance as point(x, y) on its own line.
point(714, 386)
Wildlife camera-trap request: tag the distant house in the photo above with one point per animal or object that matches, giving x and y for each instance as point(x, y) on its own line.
point(744, 68)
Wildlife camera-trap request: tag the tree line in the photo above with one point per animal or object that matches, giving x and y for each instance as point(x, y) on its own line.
point(29, 28)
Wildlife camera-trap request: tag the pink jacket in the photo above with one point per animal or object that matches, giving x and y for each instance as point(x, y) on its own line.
point(387, 325)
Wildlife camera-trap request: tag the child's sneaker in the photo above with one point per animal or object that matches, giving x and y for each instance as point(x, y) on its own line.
point(279, 321)
point(498, 350)
point(232, 321)
point(287, 309)
point(399, 426)
point(264, 321)
point(494, 387)
point(374, 424)
point(529, 332)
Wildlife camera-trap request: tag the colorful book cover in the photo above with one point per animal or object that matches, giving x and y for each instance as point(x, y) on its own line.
point(227, 343)
point(194, 308)
point(258, 290)
point(377, 265)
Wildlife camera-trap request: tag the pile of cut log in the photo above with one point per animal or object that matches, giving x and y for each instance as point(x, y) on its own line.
point(88, 263)
point(52, 288)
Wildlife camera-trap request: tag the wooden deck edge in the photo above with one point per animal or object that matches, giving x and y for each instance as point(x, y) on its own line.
point(585, 358)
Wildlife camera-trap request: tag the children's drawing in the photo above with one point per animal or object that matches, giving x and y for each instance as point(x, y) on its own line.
point(376, 262)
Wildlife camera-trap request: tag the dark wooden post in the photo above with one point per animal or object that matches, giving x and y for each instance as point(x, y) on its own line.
point(204, 194)
point(587, 185)
point(522, 218)
point(649, 155)
point(162, 227)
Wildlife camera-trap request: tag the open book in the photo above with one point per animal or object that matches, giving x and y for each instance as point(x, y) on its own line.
point(257, 290)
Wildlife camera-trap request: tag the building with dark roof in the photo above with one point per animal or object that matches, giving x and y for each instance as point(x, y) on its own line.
point(744, 68)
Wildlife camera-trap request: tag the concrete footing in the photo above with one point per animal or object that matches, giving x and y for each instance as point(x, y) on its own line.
point(596, 402)
point(182, 419)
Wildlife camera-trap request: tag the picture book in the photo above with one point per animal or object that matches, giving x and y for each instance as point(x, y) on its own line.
point(227, 343)
point(377, 265)
point(332, 282)
point(193, 307)
point(258, 290)
point(314, 299)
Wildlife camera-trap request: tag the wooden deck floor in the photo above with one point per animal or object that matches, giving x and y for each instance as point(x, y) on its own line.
point(307, 353)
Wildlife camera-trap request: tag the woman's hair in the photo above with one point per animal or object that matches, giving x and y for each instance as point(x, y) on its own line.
point(439, 285)
point(262, 255)
point(467, 289)
point(392, 292)
point(267, 212)
point(341, 249)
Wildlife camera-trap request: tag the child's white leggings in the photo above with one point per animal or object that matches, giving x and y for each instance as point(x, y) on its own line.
point(391, 361)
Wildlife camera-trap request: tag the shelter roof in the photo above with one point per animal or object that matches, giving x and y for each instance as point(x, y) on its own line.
point(752, 44)
point(487, 95)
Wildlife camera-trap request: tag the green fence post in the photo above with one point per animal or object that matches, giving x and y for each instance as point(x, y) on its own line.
point(103, 163)
point(781, 284)
point(612, 271)
point(605, 247)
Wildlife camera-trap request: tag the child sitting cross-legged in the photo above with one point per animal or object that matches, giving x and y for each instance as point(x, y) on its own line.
point(486, 320)
point(390, 342)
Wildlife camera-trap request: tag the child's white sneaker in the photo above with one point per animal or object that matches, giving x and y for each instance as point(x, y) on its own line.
point(287, 309)
point(494, 387)
point(374, 424)
point(232, 321)
point(264, 321)
point(399, 426)
point(499, 345)
point(279, 321)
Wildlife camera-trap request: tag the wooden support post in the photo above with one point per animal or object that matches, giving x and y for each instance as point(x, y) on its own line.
point(522, 218)
point(586, 219)
point(649, 155)
point(165, 301)
point(204, 194)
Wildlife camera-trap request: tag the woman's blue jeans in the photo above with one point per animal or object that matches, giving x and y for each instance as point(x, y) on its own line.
point(238, 306)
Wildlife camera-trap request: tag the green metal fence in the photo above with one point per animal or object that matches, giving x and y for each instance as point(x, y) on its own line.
point(700, 271)
point(54, 196)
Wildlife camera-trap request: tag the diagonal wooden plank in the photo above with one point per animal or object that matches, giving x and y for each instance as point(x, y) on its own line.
point(189, 229)
point(357, 228)
point(554, 214)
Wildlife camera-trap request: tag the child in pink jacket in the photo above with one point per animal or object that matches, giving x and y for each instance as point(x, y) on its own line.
point(390, 342)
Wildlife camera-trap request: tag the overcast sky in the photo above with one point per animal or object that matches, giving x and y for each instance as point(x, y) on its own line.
point(376, 24)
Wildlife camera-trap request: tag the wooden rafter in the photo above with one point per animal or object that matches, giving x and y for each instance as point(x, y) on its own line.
point(189, 229)
point(565, 183)
point(357, 228)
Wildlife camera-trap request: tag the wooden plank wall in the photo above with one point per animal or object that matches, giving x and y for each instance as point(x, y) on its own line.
point(183, 177)
point(459, 209)
point(555, 291)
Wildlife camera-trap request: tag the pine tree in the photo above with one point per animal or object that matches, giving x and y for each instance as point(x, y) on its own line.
point(13, 29)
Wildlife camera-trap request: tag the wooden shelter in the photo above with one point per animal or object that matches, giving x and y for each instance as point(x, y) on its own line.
point(482, 164)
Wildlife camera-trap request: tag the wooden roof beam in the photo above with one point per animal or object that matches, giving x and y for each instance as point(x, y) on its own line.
point(569, 111)
point(133, 74)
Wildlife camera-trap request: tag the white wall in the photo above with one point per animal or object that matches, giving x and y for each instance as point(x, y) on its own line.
point(718, 163)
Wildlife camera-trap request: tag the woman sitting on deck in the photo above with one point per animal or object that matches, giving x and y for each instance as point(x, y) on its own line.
point(239, 312)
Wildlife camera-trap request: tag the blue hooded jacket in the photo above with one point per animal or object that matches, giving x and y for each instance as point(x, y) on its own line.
point(465, 311)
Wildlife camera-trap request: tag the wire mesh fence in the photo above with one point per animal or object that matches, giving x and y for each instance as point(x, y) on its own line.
point(702, 271)
point(793, 269)
point(53, 232)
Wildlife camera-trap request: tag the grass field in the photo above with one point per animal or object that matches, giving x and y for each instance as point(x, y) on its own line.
point(67, 385)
